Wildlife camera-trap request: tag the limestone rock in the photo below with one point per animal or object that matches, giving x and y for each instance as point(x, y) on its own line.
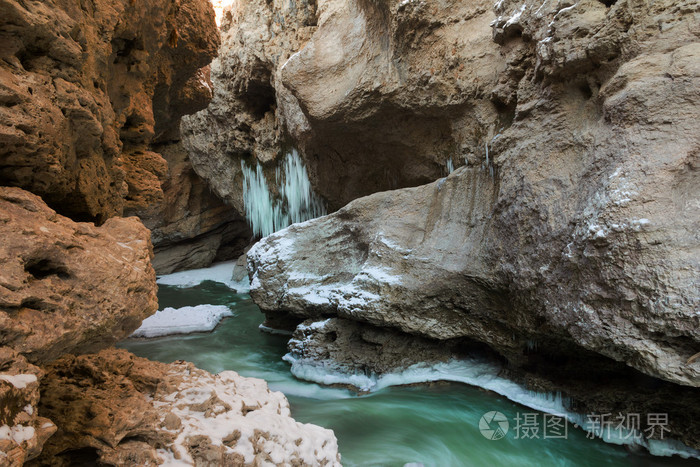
point(376, 95)
point(567, 244)
point(116, 408)
point(22, 431)
point(85, 90)
point(66, 286)
point(391, 92)
point(575, 221)
point(392, 259)
point(351, 347)
point(257, 38)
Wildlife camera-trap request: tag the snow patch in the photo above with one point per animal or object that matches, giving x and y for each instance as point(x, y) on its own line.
point(19, 381)
point(221, 273)
point(516, 16)
point(377, 274)
point(17, 433)
point(200, 318)
point(345, 297)
point(243, 416)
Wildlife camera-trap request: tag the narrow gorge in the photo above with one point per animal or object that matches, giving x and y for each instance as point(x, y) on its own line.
point(464, 223)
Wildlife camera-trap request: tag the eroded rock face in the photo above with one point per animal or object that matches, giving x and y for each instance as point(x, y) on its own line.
point(392, 91)
point(116, 408)
point(87, 88)
point(69, 287)
point(351, 347)
point(572, 225)
point(579, 226)
point(380, 94)
point(190, 227)
point(22, 431)
point(242, 119)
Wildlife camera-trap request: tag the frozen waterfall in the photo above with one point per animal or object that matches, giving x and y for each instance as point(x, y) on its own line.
point(292, 201)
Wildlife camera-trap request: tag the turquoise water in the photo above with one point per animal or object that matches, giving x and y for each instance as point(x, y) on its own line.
point(436, 425)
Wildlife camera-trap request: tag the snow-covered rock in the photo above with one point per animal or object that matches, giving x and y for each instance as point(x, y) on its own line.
point(147, 413)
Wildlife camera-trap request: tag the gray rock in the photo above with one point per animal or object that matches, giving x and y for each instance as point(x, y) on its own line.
point(579, 225)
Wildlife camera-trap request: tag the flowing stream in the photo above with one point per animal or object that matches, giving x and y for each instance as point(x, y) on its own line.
point(433, 424)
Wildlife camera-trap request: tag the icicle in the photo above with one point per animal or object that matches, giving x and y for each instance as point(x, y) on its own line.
point(450, 166)
point(296, 201)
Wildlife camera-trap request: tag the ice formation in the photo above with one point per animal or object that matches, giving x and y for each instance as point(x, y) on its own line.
point(293, 200)
point(200, 318)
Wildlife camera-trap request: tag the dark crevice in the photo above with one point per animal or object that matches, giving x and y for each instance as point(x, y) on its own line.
point(259, 98)
point(136, 438)
point(43, 268)
point(124, 47)
point(34, 303)
point(586, 90)
point(84, 457)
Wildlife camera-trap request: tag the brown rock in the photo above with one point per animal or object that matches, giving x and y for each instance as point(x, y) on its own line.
point(22, 431)
point(117, 409)
point(98, 404)
point(190, 226)
point(66, 286)
point(82, 85)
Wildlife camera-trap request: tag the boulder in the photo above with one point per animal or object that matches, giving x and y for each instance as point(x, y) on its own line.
point(565, 240)
point(575, 223)
point(116, 408)
point(68, 287)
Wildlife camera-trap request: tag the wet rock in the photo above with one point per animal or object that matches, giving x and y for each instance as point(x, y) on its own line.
point(350, 347)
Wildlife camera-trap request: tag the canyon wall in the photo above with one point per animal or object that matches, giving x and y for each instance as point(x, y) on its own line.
point(242, 122)
point(374, 96)
point(91, 94)
point(570, 225)
point(86, 91)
